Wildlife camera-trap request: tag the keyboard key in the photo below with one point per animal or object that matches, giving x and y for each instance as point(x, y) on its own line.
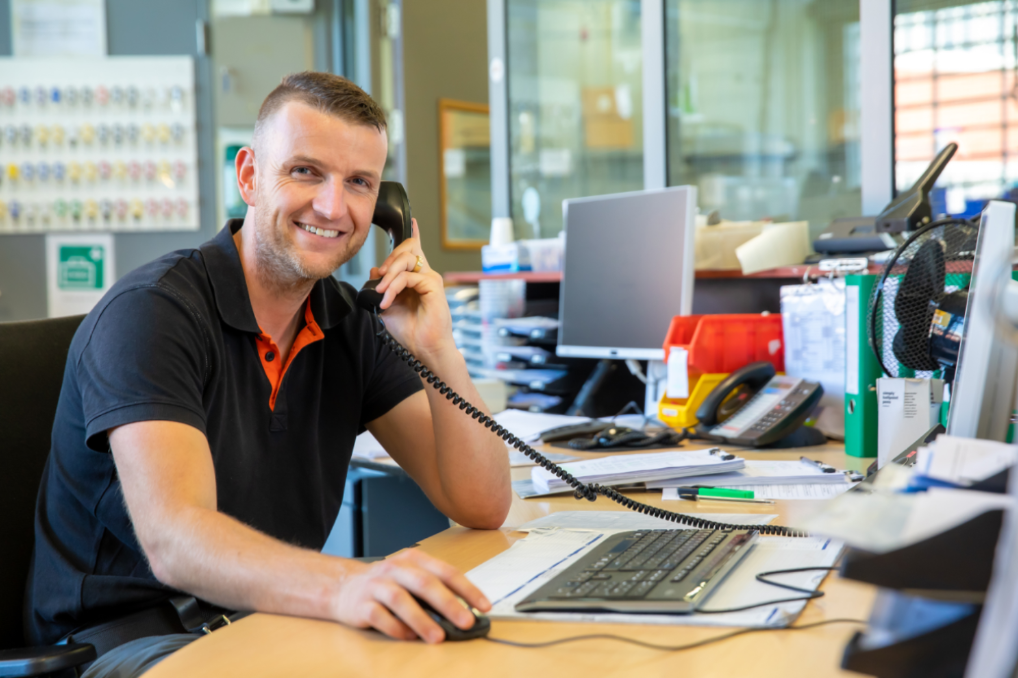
point(642, 589)
point(620, 590)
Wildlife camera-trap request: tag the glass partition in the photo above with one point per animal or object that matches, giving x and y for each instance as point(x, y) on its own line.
point(575, 105)
point(954, 80)
point(763, 107)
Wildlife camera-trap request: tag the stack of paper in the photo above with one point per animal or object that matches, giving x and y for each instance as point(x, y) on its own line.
point(637, 468)
point(758, 473)
point(964, 461)
point(884, 521)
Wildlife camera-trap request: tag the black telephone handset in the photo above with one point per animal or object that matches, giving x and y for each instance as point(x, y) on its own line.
point(755, 407)
point(733, 392)
point(392, 215)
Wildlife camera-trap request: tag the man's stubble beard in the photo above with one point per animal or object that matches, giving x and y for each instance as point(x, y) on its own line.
point(280, 264)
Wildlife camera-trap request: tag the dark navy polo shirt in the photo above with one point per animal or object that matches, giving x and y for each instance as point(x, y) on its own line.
point(177, 340)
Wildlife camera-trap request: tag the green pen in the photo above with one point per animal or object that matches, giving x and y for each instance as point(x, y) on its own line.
point(709, 493)
point(718, 492)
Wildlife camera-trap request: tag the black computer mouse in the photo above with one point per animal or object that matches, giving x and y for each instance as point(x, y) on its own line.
point(481, 627)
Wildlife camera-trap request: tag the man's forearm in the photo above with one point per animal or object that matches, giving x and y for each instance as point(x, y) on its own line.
point(473, 465)
point(218, 559)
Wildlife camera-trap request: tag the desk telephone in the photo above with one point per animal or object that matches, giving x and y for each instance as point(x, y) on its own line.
point(756, 408)
point(392, 214)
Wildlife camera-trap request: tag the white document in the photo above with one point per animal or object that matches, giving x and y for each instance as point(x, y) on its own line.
point(813, 320)
point(635, 468)
point(678, 373)
point(964, 460)
point(885, 521)
point(528, 426)
point(908, 408)
point(757, 472)
point(58, 27)
point(79, 271)
point(531, 562)
point(801, 491)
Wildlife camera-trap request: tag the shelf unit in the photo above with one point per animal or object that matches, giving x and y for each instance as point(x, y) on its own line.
point(783, 273)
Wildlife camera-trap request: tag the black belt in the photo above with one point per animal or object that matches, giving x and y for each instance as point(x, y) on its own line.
point(181, 614)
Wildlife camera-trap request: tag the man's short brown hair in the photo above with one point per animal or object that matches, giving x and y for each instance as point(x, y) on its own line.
point(325, 92)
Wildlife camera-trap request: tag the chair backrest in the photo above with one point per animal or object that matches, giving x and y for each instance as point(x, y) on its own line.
point(32, 358)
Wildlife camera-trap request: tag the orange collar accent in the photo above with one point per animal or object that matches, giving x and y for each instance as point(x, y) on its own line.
point(268, 351)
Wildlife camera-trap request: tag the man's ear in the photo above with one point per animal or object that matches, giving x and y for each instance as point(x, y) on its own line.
point(246, 174)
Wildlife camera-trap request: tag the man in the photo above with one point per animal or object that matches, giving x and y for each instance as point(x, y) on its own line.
point(211, 400)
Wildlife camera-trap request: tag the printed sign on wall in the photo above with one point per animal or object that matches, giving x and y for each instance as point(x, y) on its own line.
point(79, 270)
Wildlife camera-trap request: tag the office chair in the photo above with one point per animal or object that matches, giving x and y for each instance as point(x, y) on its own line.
point(32, 357)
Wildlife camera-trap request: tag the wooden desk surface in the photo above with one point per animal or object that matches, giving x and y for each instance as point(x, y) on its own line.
point(271, 645)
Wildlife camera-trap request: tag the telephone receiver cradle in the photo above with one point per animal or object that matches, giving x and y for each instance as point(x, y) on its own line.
point(778, 425)
point(392, 215)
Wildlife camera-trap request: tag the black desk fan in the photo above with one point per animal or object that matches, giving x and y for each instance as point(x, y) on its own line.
point(917, 311)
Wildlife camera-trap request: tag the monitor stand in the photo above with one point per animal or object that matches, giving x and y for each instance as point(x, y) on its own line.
point(584, 398)
point(657, 379)
point(657, 382)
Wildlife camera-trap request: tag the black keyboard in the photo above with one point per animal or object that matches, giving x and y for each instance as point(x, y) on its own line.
point(649, 571)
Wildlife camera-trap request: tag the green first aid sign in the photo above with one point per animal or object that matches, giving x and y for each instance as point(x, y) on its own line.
point(81, 267)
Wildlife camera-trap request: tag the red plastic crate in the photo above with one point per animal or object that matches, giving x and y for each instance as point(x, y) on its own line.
point(724, 343)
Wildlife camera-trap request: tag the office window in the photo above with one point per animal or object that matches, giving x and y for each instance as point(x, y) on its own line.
point(575, 105)
point(763, 106)
point(954, 80)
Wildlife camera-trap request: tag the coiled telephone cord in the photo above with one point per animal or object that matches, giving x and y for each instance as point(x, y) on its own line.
point(589, 491)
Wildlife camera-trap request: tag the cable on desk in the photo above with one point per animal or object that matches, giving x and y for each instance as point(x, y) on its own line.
point(581, 490)
point(762, 577)
point(669, 648)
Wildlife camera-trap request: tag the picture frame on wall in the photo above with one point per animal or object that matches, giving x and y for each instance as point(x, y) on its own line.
point(464, 161)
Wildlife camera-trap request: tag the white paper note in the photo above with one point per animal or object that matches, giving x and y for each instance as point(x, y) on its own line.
point(964, 460)
point(678, 373)
point(800, 491)
point(884, 521)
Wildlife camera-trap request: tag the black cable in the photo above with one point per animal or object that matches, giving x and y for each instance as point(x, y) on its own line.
point(589, 491)
point(810, 593)
point(670, 648)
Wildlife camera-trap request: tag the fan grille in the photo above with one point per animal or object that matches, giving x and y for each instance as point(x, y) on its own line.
point(936, 261)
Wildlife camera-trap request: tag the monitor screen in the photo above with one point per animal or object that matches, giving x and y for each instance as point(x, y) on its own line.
point(628, 270)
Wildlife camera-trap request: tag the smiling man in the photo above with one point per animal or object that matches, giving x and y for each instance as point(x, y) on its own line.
point(211, 401)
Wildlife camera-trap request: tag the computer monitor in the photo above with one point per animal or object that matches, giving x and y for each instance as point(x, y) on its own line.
point(983, 393)
point(628, 270)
